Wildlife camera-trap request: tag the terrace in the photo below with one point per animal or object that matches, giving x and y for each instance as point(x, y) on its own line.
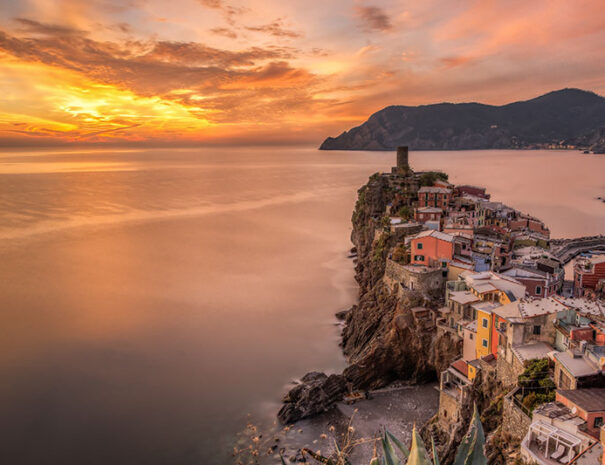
point(549, 445)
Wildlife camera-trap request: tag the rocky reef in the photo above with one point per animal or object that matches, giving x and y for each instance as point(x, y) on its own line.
point(382, 339)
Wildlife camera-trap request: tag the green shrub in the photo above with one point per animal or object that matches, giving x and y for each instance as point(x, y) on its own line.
point(429, 178)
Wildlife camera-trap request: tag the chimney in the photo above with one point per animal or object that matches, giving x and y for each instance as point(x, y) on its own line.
point(402, 159)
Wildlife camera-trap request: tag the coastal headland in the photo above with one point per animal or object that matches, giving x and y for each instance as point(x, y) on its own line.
point(463, 291)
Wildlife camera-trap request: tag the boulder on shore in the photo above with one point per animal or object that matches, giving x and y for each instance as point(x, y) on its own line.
point(316, 393)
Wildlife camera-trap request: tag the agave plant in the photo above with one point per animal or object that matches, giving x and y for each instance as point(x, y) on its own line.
point(472, 448)
point(470, 452)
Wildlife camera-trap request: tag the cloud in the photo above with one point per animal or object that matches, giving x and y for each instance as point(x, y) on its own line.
point(35, 27)
point(225, 32)
point(373, 18)
point(275, 28)
point(214, 84)
point(229, 12)
point(459, 60)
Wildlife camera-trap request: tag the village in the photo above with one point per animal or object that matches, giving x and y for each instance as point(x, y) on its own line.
point(508, 305)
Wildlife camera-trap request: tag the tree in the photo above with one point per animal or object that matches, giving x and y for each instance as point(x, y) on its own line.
point(429, 178)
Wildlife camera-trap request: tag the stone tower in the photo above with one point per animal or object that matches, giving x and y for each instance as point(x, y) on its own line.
point(402, 159)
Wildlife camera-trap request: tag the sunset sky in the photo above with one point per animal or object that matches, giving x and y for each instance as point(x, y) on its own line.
point(184, 72)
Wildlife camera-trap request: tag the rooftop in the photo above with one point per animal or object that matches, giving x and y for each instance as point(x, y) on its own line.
point(533, 351)
point(429, 210)
point(518, 272)
point(554, 410)
point(487, 307)
point(584, 306)
point(436, 234)
point(436, 190)
point(590, 400)
point(530, 307)
point(534, 307)
point(463, 297)
point(461, 264)
point(420, 269)
point(576, 366)
point(460, 366)
point(472, 326)
point(489, 281)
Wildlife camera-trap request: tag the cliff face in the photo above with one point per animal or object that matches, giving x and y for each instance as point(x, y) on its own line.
point(570, 115)
point(382, 339)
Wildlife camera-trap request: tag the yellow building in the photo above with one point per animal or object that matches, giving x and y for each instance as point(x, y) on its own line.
point(473, 367)
point(484, 327)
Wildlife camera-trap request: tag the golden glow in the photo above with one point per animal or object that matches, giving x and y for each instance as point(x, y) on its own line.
point(55, 103)
point(265, 71)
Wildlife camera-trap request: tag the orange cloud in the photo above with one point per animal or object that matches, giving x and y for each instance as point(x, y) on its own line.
point(190, 71)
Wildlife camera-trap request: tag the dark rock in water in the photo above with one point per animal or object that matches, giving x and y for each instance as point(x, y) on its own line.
point(316, 393)
point(342, 315)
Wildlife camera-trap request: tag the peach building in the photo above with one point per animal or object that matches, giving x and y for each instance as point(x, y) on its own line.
point(432, 248)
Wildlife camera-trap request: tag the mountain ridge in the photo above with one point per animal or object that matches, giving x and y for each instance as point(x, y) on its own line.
point(559, 119)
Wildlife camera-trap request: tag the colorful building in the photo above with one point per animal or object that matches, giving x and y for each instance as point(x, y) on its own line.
point(424, 214)
point(588, 404)
point(431, 248)
point(474, 191)
point(587, 274)
point(539, 283)
point(484, 328)
point(438, 197)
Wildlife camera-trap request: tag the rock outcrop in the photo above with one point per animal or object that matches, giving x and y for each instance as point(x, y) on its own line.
point(315, 394)
point(382, 339)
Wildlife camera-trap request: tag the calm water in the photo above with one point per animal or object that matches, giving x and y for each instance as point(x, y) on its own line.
point(151, 299)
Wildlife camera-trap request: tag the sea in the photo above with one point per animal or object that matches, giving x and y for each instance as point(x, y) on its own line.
point(154, 301)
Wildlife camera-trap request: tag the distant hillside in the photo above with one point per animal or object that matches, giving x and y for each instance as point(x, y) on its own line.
point(564, 117)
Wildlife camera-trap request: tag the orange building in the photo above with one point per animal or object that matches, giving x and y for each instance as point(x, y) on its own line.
point(432, 248)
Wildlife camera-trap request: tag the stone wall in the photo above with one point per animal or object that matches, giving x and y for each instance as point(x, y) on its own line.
point(507, 373)
point(449, 408)
point(514, 421)
point(411, 277)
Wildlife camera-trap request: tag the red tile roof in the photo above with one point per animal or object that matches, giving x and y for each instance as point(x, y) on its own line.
point(461, 366)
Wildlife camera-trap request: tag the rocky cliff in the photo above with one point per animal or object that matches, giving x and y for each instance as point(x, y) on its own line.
point(568, 116)
point(382, 339)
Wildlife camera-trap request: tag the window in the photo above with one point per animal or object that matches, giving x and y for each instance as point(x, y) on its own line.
point(539, 290)
point(598, 422)
point(537, 330)
point(419, 246)
point(484, 322)
point(419, 258)
point(484, 342)
point(470, 336)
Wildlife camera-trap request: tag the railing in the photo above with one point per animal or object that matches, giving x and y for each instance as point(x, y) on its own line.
point(442, 323)
point(517, 403)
